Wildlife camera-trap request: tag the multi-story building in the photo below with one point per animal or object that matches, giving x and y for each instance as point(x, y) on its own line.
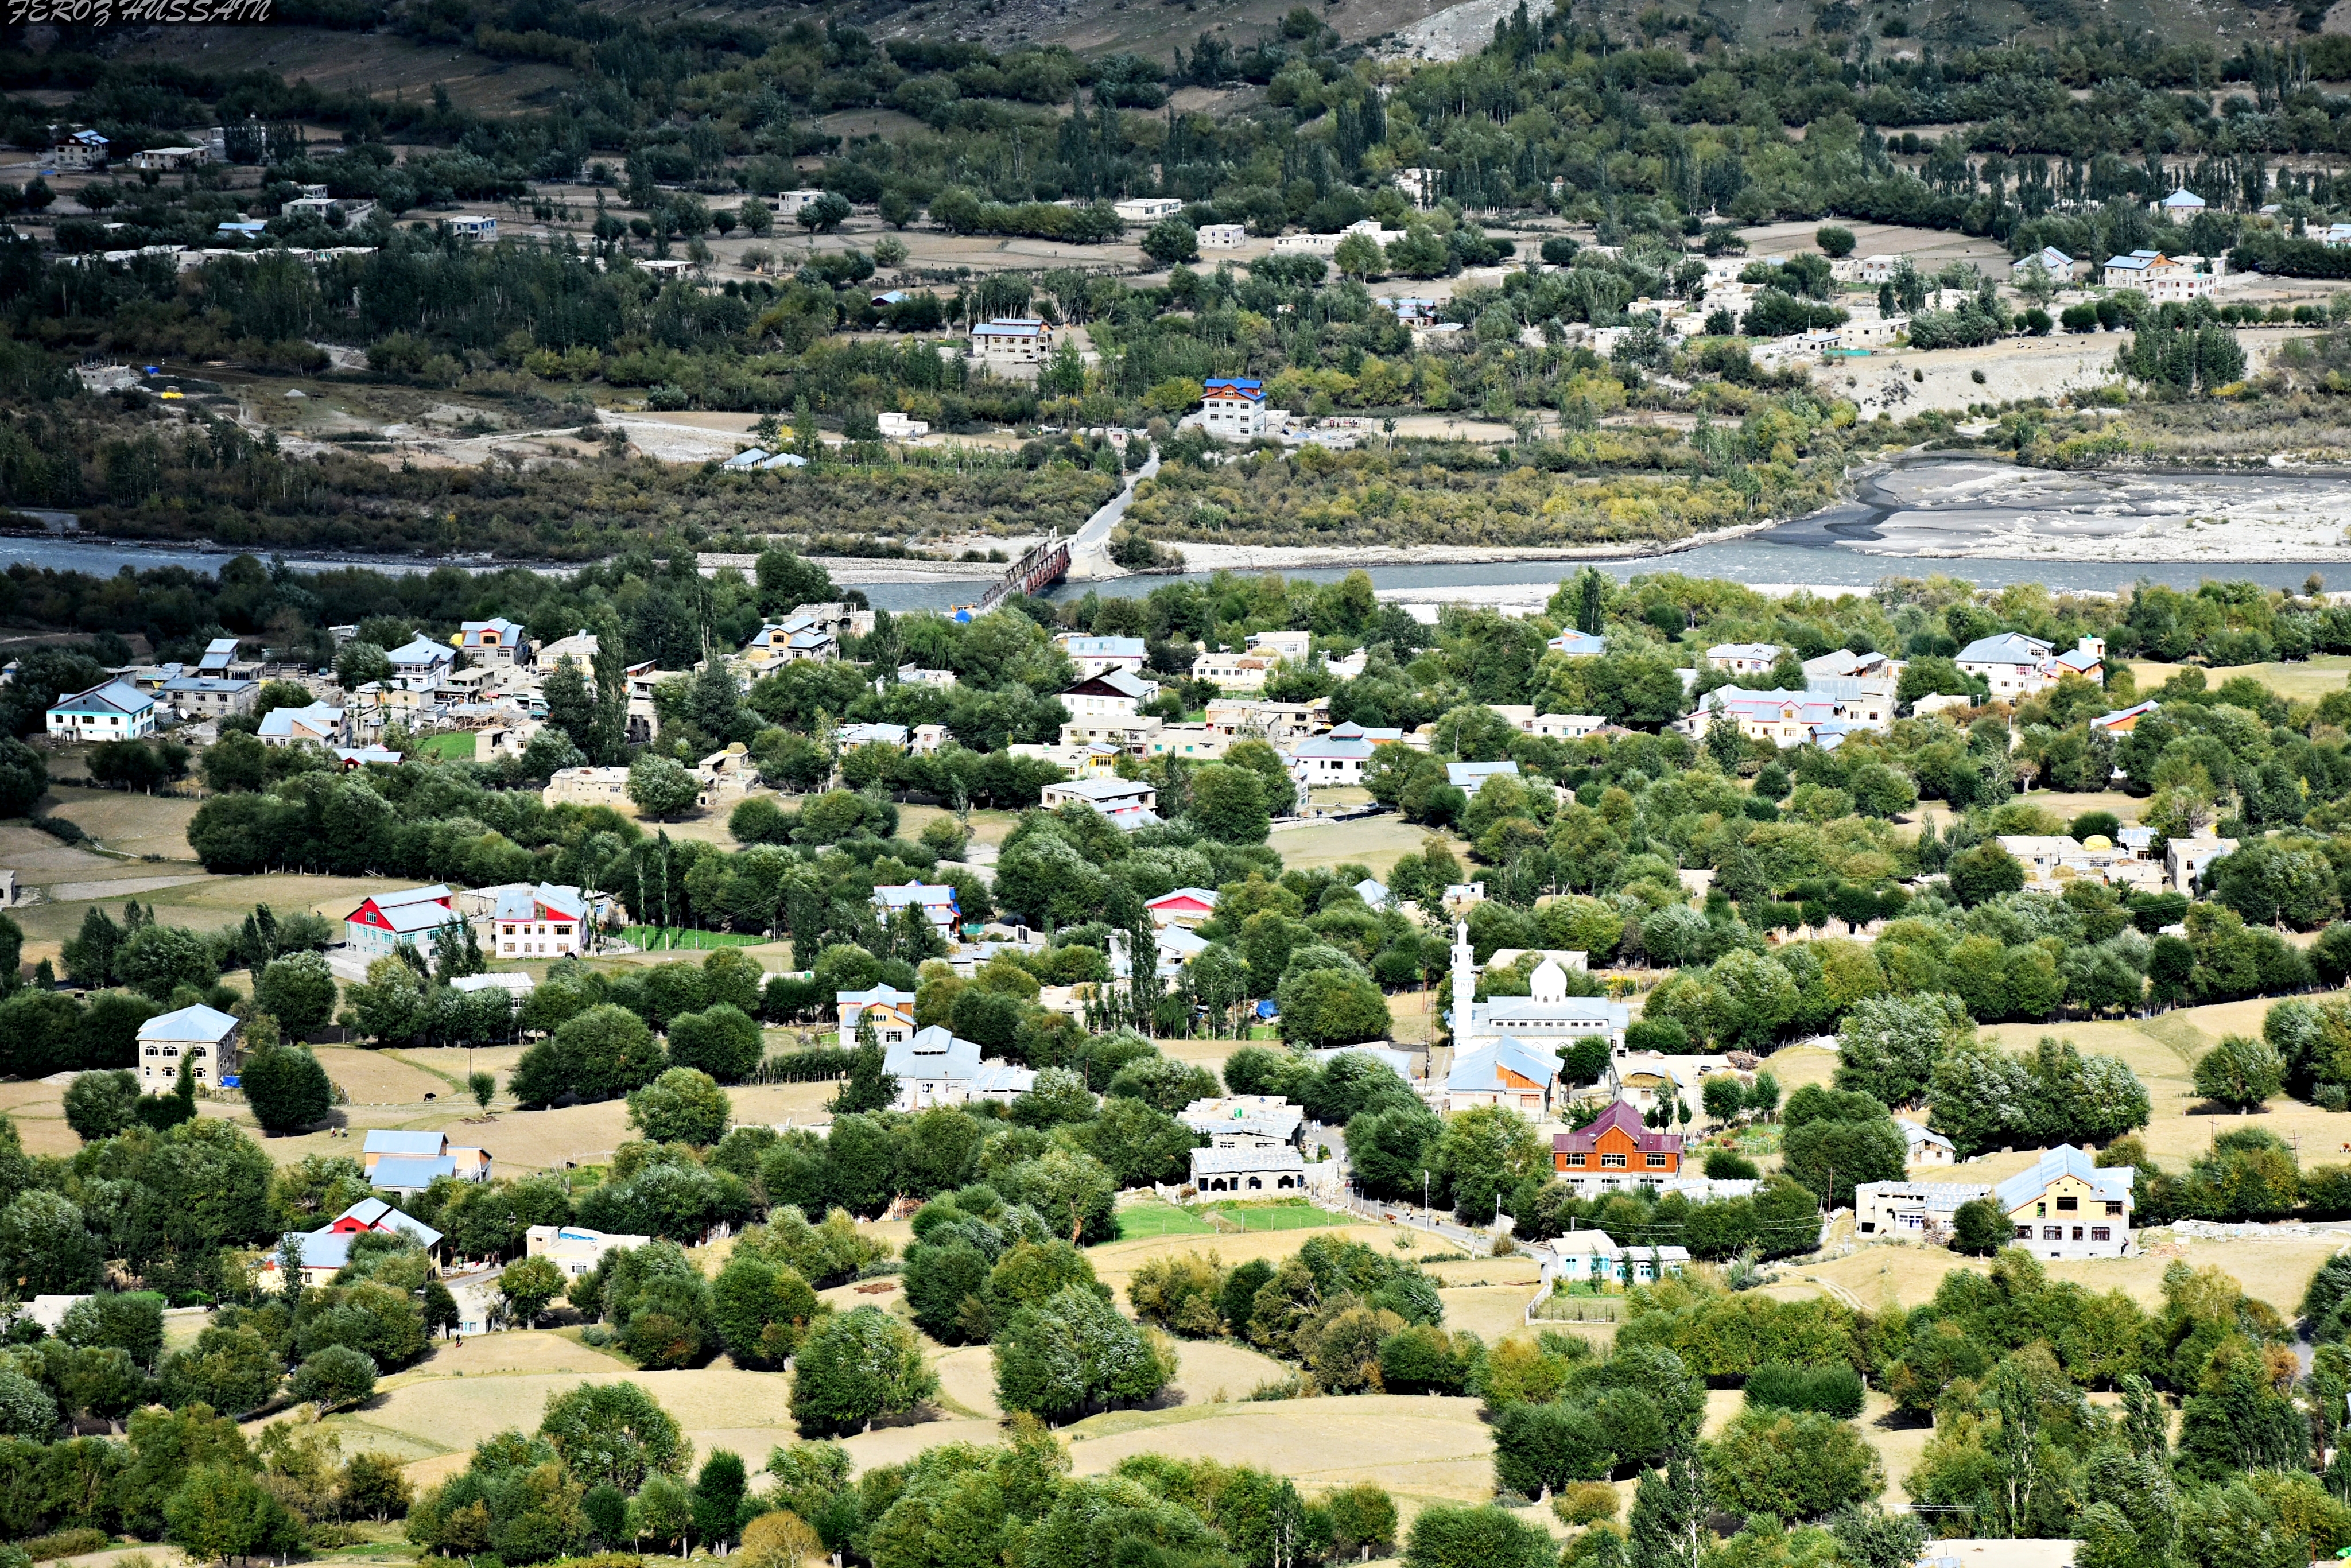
point(936, 901)
point(2066, 1205)
point(1012, 341)
point(1129, 803)
point(319, 724)
point(890, 1012)
point(1116, 694)
point(111, 710)
point(541, 922)
point(405, 1162)
point(1232, 407)
point(410, 917)
point(574, 1249)
point(1743, 658)
point(1615, 1152)
point(1101, 656)
point(205, 1038)
point(494, 641)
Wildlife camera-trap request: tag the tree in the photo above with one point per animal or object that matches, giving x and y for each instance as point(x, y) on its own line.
point(2241, 1072)
point(484, 1088)
point(1323, 1008)
point(855, 1366)
point(1724, 1097)
point(660, 786)
point(1669, 1513)
point(287, 1089)
point(100, 1104)
point(615, 1434)
point(1230, 804)
point(219, 1512)
point(1072, 1349)
point(718, 1495)
point(1358, 257)
point(1792, 1464)
point(232, 1370)
point(826, 213)
point(723, 1041)
point(763, 1309)
point(24, 777)
point(46, 1248)
point(684, 1105)
point(297, 991)
point(1835, 243)
point(1831, 1158)
point(336, 1377)
point(868, 1087)
point(529, 1285)
point(1487, 1537)
point(1172, 241)
point(1984, 872)
point(1979, 1228)
point(1888, 1045)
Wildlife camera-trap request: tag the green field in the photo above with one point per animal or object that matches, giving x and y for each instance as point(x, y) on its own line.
point(650, 937)
point(457, 746)
point(1145, 1220)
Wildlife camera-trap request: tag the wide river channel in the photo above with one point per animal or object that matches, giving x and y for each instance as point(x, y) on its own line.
point(1965, 516)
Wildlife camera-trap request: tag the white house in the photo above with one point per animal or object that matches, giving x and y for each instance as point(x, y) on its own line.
point(1222, 237)
point(1101, 656)
point(421, 659)
point(1232, 407)
point(1927, 1148)
point(1012, 339)
point(1341, 756)
point(1129, 803)
point(481, 228)
point(934, 1067)
point(1743, 658)
point(1115, 694)
point(1245, 1121)
point(494, 641)
point(2066, 1205)
point(541, 922)
point(890, 1012)
point(111, 710)
point(935, 901)
point(1593, 1257)
point(2185, 861)
point(2016, 666)
point(408, 918)
point(319, 724)
point(1146, 210)
point(206, 1036)
point(574, 1249)
point(1260, 1170)
point(1470, 776)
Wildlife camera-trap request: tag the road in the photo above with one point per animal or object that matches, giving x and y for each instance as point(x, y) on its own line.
point(1090, 550)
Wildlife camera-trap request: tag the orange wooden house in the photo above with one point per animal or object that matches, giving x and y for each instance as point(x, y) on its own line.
point(1615, 1152)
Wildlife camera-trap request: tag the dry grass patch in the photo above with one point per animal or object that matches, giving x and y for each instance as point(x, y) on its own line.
point(1115, 1262)
point(1375, 841)
point(129, 824)
point(1489, 1312)
point(1427, 1448)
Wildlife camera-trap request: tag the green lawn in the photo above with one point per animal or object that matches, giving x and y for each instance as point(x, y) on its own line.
point(650, 937)
point(1149, 1220)
point(454, 747)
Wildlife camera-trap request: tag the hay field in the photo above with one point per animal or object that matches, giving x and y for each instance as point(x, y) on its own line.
point(1423, 1448)
point(129, 824)
point(1375, 841)
point(2309, 679)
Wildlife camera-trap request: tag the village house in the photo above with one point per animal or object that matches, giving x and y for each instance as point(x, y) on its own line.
point(574, 1249)
point(1259, 1170)
point(2066, 1205)
point(1927, 1148)
point(317, 724)
point(586, 787)
point(1232, 407)
point(406, 1162)
point(1594, 1258)
point(410, 917)
point(1743, 658)
point(1012, 341)
point(891, 1013)
point(935, 901)
point(111, 710)
point(1197, 741)
point(1184, 906)
point(325, 1251)
point(1233, 671)
point(1101, 656)
point(494, 641)
point(1129, 803)
point(1616, 1152)
point(1116, 694)
point(1504, 1072)
point(2185, 861)
point(934, 1067)
point(209, 697)
point(1245, 1121)
point(1578, 644)
point(542, 922)
point(1341, 756)
point(205, 1038)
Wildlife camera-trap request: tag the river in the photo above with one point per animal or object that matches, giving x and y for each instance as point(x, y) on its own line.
point(1935, 514)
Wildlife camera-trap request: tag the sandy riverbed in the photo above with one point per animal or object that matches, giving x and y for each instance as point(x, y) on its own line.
point(1976, 508)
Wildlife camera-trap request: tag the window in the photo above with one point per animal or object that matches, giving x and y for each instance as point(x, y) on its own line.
point(1657, 1162)
point(1867, 1226)
point(2068, 1205)
point(1576, 1162)
point(2040, 1211)
point(2102, 1233)
point(2025, 1233)
point(2114, 1208)
point(1613, 1162)
point(2053, 1233)
point(2077, 1233)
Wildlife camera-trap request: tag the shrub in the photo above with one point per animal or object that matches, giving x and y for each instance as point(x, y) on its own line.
point(1829, 1390)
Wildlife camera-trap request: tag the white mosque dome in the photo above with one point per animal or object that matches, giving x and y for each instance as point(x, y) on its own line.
point(1549, 982)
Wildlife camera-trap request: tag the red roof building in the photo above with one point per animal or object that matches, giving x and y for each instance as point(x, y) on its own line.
point(1616, 1152)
